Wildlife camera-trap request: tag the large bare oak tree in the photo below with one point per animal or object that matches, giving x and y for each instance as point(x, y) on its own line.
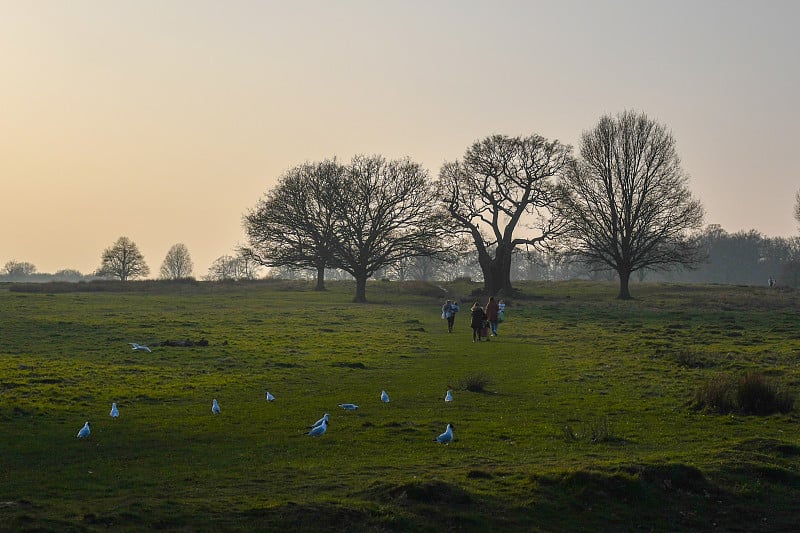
point(293, 225)
point(385, 212)
point(503, 195)
point(626, 201)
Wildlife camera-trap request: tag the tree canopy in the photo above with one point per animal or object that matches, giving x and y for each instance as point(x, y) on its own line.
point(626, 201)
point(293, 225)
point(385, 212)
point(177, 263)
point(502, 195)
point(123, 260)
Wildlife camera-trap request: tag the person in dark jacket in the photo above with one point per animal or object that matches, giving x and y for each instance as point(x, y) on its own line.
point(449, 310)
point(478, 318)
point(492, 310)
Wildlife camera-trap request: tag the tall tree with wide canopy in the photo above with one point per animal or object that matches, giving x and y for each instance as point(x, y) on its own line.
point(503, 195)
point(627, 201)
point(293, 225)
point(385, 212)
point(123, 260)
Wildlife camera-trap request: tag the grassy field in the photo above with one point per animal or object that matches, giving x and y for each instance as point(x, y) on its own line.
point(587, 422)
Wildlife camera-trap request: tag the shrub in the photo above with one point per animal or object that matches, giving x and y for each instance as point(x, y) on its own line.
point(716, 395)
point(753, 394)
point(598, 430)
point(475, 382)
point(758, 395)
point(601, 431)
point(690, 359)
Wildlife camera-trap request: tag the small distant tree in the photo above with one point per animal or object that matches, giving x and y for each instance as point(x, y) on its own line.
point(797, 207)
point(232, 267)
point(627, 203)
point(178, 263)
point(222, 268)
point(68, 274)
point(124, 261)
point(19, 269)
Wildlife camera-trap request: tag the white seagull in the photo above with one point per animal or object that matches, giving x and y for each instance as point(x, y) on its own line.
point(114, 411)
point(140, 347)
point(319, 430)
point(84, 431)
point(270, 397)
point(215, 407)
point(323, 420)
point(447, 436)
point(384, 397)
point(348, 406)
point(448, 397)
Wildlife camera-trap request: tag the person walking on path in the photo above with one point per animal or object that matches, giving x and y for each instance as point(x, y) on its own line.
point(492, 310)
point(449, 310)
point(478, 318)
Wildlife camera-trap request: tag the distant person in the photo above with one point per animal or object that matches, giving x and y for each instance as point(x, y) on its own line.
point(449, 310)
point(478, 318)
point(492, 312)
point(501, 315)
point(771, 281)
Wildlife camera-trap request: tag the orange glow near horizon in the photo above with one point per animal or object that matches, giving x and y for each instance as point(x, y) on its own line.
point(165, 122)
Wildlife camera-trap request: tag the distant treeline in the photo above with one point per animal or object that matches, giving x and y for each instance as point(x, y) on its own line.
point(742, 258)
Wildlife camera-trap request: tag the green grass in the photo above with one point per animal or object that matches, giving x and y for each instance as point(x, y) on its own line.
point(585, 422)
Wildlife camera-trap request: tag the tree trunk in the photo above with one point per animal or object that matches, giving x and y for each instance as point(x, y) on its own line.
point(624, 291)
point(320, 278)
point(497, 272)
point(361, 289)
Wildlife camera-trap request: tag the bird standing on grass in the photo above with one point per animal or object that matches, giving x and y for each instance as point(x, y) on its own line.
point(348, 406)
point(448, 397)
point(384, 396)
point(215, 407)
point(323, 420)
point(140, 347)
point(447, 436)
point(318, 430)
point(114, 411)
point(270, 397)
point(84, 431)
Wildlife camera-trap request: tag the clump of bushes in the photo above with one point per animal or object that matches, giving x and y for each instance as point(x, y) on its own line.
point(690, 359)
point(598, 430)
point(752, 394)
point(757, 395)
point(475, 382)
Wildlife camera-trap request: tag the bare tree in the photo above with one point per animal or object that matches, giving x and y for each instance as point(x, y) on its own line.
point(503, 184)
point(232, 267)
point(177, 263)
point(385, 212)
point(797, 207)
point(293, 225)
point(627, 202)
point(223, 268)
point(19, 269)
point(68, 274)
point(123, 260)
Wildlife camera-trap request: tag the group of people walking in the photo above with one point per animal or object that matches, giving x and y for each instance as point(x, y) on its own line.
point(484, 320)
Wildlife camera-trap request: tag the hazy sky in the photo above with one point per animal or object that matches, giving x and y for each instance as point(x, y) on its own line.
point(164, 121)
